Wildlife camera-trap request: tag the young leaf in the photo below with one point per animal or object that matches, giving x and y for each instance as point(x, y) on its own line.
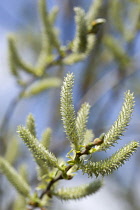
point(90, 43)
point(12, 56)
point(93, 12)
point(53, 14)
point(41, 85)
point(67, 110)
point(80, 41)
point(120, 124)
point(49, 37)
point(78, 192)
point(107, 166)
point(81, 121)
point(19, 203)
point(30, 124)
point(88, 137)
point(16, 60)
point(23, 171)
point(95, 25)
point(14, 178)
point(43, 168)
point(45, 141)
point(12, 151)
point(46, 136)
point(38, 150)
point(74, 58)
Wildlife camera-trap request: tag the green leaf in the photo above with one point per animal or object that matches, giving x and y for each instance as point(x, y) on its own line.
point(53, 14)
point(107, 166)
point(12, 151)
point(93, 12)
point(74, 58)
point(88, 137)
point(41, 85)
point(12, 56)
point(81, 121)
point(90, 43)
point(67, 110)
point(14, 178)
point(16, 61)
point(78, 192)
point(120, 124)
point(80, 41)
point(38, 150)
point(49, 37)
point(19, 203)
point(23, 171)
point(30, 124)
point(46, 136)
point(96, 25)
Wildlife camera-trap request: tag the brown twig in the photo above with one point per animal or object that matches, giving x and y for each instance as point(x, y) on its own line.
point(47, 190)
point(96, 141)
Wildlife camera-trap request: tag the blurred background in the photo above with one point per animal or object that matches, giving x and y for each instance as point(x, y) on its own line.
point(111, 69)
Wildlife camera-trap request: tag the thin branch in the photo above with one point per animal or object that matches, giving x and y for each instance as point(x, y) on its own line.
point(85, 152)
